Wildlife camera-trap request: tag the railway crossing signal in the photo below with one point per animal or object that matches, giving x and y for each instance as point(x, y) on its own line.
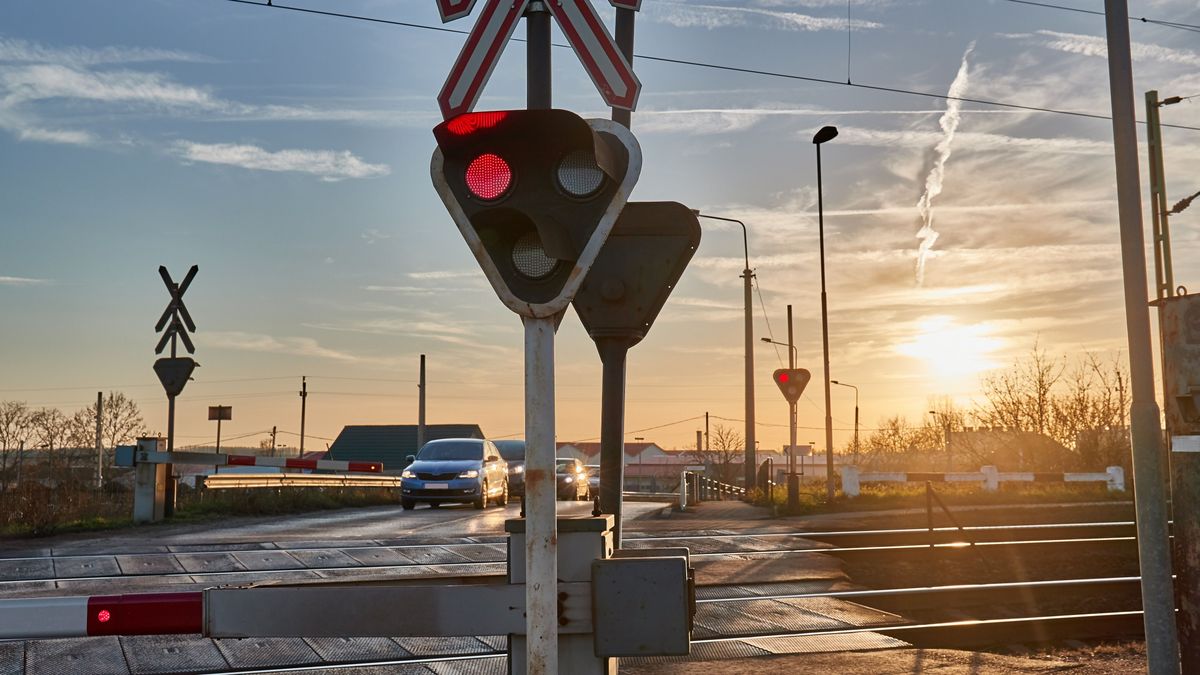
point(643, 259)
point(534, 194)
point(175, 318)
point(593, 44)
point(791, 382)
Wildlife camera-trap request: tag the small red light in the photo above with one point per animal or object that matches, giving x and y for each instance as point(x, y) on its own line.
point(103, 616)
point(783, 377)
point(489, 176)
point(469, 123)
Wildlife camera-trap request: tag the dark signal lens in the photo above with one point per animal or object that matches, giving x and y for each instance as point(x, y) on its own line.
point(489, 176)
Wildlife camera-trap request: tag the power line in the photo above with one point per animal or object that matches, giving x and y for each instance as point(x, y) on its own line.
point(755, 71)
point(1132, 19)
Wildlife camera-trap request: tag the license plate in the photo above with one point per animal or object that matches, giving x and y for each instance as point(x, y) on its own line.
point(437, 486)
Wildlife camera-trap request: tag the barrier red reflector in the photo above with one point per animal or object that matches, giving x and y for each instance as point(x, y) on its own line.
point(301, 464)
point(145, 614)
point(242, 460)
point(366, 467)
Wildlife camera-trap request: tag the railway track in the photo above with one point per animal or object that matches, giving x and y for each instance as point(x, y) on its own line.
point(743, 618)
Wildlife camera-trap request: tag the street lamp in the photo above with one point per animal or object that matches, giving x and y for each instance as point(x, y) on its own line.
point(795, 358)
point(843, 384)
point(747, 275)
point(823, 135)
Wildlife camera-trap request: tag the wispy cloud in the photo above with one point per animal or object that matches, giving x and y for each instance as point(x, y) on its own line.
point(933, 181)
point(373, 235)
point(258, 342)
point(22, 281)
point(444, 274)
point(330, 165)
point(13, 50)
point(1093, 45)
point(717, 16)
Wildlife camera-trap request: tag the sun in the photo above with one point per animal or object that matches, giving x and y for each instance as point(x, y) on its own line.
point(952, 350)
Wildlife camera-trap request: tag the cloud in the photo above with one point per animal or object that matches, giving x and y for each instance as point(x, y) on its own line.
point(13, 50)
point(22, 281)
point(330, 165)
point(444, 274)
point(373, 235)
point(1094, 45)
point(716, 16)
point(258, 342)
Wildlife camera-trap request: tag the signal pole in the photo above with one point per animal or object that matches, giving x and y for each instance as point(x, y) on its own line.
point(303, 408)
point(1163, 272)
point(99, 440)
point(1154, 555)
point(421, 406)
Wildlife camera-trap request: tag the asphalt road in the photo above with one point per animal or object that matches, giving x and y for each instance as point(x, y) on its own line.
point(342, 527)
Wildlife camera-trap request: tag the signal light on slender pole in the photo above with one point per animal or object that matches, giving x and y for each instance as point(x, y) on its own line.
point(792, 381)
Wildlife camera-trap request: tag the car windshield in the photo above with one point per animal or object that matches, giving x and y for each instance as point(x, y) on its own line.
point(565, 466)
point(435, 450)
point(511, 451)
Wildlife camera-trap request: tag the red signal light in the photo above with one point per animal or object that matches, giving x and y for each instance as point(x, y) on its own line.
point(469, 123)
point(783, 377)
point(103, 616)
point(489, 176)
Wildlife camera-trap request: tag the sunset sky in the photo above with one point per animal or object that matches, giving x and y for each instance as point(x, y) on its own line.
point(287, 154)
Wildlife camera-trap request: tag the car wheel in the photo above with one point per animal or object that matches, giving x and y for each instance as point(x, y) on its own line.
point(502, 500)
point(407, 504)
point(481, 501)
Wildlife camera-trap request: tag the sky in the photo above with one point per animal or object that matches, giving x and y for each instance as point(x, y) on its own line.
point(287, 155)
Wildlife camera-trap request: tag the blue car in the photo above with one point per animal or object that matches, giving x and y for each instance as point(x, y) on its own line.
point(455, 470)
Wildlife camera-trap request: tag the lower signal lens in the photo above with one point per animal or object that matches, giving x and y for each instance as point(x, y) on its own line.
point(489, 176)
point(530, 258)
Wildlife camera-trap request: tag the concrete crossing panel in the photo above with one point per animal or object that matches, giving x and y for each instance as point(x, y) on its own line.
point(12, 658)
point(147, 654)
point(30, 568)
point(443, 646)
point(90, 566)
point(344, 649)
point(263, 652)
point(267, 560)
point(209, 562)
point(149, 564)
point(379, 556)
point(324, 558)
point(95, 656)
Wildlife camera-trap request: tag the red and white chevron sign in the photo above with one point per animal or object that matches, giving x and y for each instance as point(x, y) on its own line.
point(479, 56)
point(457, 9)
point(595, 47)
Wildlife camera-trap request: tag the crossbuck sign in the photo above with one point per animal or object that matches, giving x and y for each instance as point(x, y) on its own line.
point(595, 47)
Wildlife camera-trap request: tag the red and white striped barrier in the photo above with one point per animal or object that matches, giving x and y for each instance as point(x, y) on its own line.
point(852, 477)
point(214, 459)
point(296, 463)
point(91, 615)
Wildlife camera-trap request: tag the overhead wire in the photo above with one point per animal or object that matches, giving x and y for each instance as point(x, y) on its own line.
point(752, 71)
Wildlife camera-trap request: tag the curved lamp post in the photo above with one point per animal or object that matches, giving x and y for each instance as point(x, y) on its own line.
point(825, 134)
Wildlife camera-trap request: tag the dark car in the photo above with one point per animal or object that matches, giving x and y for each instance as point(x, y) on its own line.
point(513, 452)
point(571, 478)
point(449, 470)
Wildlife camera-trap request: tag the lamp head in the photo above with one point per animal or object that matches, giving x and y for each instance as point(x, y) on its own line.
point(825, 134)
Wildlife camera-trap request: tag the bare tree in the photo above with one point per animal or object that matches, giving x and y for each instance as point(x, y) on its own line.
point(15, 432)
point(726, 444)
point(49, 431)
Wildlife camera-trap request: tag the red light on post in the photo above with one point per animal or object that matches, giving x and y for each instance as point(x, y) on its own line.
point(783, 377)
point(489, 176)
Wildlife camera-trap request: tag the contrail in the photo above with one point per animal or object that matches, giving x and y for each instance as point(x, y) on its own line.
point(933, 182)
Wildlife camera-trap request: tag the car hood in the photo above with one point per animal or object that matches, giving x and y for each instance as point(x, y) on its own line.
point(444, 465)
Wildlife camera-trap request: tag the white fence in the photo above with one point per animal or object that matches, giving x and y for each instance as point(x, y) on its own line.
point(990, 476)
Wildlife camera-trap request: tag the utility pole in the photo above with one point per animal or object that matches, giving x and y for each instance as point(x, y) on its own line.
point(421, 406)
point(303, 406)
point(1154, 555)
point(706, 436)
point(99, 440)
point(274, 429)
point(1163, 270)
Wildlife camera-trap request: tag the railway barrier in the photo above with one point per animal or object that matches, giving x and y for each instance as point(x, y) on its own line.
point(153, 488)
point(990, 476)
point(611, 603)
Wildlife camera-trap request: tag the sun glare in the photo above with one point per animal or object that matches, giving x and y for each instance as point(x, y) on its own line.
point(951, 350)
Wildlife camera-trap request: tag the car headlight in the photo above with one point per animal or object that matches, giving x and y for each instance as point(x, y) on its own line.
point(407, 474)
point(469, 473)
point(520, 468)
point(568, 479)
